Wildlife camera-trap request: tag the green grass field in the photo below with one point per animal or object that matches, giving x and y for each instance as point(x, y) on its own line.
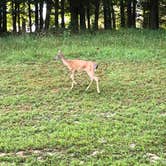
point(42, 122)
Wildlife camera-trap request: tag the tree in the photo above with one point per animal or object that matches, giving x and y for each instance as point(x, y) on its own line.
point(63, 13)
point(74, 15)
point(48, 12)
point(18, 14)
point(162, 13)
point(0, 16)
point(14, 16)
point(146, 12)
point(154, 14)
point(151, 14)
point(97, 5)
point(36, 15)
point(56, 8)
point(4, 16)
point(122, 14)
point(41, 14)
point(29, 15)
point(112, 15)
point(134, 14)
point(88, 14)
point(82, 15)
point(107, 14)
point(131, 13)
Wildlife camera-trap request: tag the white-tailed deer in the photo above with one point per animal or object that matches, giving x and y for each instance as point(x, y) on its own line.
point(79, 65)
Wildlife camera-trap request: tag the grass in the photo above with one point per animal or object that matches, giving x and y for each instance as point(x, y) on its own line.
point(42, 122)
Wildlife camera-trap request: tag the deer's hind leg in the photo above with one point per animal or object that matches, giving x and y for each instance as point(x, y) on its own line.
point(97, 84)
point(93, 77)
point(73, 81)
point(89, 84)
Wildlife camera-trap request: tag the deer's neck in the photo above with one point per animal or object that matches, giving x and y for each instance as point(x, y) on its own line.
point(64, 61)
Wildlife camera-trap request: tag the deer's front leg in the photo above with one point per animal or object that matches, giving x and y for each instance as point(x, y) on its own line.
point(89, 85)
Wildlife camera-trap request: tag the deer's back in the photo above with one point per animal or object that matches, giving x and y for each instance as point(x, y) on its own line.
point(80, 65)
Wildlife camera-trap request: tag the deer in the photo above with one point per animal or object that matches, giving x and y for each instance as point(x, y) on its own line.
point(77, 65)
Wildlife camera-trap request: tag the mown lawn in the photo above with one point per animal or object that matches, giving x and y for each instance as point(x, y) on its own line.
point(42, 122)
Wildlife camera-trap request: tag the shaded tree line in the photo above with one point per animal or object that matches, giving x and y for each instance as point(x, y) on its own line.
point(43, 15)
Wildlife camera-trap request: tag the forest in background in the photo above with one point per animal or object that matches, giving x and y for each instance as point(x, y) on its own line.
point(80, 15)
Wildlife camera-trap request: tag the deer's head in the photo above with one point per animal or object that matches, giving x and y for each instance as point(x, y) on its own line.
point(59, 56)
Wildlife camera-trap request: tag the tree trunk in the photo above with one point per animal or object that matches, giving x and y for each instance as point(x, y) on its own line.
point(113, 16)
point(14, 16)
point(48, 12)
point(107, 14)
point(63, 13)
point(29, 15)
point(41, 15)
point(18, 16)
point(0, 22)
point(4, 23)
point(129, 14)
point(23, 24)
point(0, 16)
point(23, 17)
point(97, 4)
point(134, 14)
point(82, 16)
point(146, 14)
point(88, 14)
point(109, 11)
point(36, 16)
point(56, 7)
point(122, 14)
point(154, 14)
point(74, 15)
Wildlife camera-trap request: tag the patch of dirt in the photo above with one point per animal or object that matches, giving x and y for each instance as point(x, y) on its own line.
point(153, 157)
point(40, 153)
point(107, 114)
point(163, 114)
point(55, 90)
point(3, 154)
point(96, 152)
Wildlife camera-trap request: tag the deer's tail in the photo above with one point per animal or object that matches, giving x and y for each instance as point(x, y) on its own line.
point(96, 66)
